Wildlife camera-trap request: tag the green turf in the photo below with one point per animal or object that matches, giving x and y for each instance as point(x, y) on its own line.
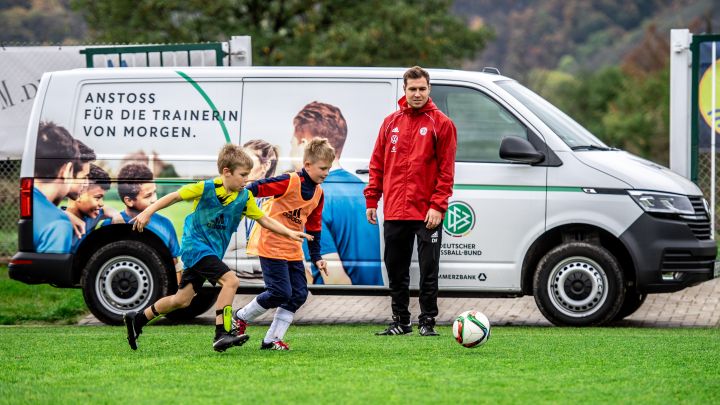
point(347, 364)
point(23, 303)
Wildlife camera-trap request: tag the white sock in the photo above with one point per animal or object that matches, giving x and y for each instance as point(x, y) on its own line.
point(280, 324)
point(251, 311)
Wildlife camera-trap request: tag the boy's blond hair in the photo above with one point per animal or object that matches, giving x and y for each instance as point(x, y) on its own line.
point(319, 149)
point(232, 156)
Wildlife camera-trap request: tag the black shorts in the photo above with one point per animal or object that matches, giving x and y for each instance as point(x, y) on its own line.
point(209, 268)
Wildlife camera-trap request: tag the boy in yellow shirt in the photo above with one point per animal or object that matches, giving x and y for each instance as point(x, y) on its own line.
point(219, 205)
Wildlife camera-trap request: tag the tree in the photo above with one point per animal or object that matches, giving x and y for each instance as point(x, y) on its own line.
point(39, 22)
point(298, 32)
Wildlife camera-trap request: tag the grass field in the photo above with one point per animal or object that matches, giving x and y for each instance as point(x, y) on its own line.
point(21, 303)
point(46, 362)
point(347, 364)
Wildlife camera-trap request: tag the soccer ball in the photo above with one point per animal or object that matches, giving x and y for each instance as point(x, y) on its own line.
point(471, 329)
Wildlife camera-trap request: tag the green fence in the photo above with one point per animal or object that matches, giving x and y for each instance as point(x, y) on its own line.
point(155, 55)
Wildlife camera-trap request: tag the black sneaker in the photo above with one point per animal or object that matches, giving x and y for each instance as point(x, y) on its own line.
point(396, 328)
point(427, 327)
point(228, 340)
point(132, 332)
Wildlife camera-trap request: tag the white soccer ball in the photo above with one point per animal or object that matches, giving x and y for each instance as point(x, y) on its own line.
point(471, 329)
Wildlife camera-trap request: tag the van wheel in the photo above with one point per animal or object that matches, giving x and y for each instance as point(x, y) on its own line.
point(632, 302)
point(200, 303)
point(123, 276)
point(578, 284)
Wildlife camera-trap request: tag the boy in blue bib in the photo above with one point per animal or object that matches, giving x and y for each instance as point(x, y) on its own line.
point(219, 205)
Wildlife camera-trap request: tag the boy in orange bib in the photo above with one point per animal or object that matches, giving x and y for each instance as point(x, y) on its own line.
point(297, 202)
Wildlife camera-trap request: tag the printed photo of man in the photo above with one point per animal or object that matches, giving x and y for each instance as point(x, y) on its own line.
point(349, 244)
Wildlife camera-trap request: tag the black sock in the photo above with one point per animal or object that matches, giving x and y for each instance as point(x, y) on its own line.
point(141, 320)
point(219, 330)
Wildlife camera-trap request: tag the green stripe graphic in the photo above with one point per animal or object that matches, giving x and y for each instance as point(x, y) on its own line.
point(518, 188)
point(210, 103)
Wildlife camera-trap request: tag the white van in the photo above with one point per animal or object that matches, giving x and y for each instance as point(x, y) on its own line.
point(540, 206)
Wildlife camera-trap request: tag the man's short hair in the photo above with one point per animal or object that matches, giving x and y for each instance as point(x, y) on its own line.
point(86, 155)
point(416, 72)
point(323, 121)
point(131, 178)
point(98, 177)
point(233, 156)
point(319, 149)
point(55, 148)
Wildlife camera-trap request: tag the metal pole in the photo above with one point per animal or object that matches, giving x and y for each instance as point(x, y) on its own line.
point(712, 142)
point(680, 104)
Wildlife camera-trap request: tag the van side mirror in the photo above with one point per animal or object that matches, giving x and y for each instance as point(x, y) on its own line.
point(520, 150)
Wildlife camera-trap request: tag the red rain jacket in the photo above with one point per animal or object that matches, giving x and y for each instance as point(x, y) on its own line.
point(413, 163)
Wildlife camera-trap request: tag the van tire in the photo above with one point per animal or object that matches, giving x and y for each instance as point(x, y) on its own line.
point(579, 284)
point(123, 276)
point(204, 300)
point(632, 302)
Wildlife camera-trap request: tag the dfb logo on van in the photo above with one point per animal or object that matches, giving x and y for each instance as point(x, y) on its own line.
point(459, 219)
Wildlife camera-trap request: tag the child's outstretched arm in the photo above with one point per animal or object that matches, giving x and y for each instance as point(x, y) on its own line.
point(143, 218)
point(277, 227)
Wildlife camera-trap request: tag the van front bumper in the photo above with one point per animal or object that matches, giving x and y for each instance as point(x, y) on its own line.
point(667, 255)
point(42, 268)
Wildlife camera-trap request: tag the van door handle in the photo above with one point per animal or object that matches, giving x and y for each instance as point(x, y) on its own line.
point(362, 171)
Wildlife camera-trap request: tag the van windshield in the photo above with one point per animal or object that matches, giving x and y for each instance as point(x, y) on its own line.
point(572, 133)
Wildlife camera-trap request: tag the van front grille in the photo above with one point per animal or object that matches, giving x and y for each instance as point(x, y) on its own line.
point(700, 222)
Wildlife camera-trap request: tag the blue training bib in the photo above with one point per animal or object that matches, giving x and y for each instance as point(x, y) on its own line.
point(208, 229)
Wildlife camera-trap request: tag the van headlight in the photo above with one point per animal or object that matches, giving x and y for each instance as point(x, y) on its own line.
point(662, 203)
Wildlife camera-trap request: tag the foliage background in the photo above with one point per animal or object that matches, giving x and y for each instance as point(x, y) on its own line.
point(605, 62)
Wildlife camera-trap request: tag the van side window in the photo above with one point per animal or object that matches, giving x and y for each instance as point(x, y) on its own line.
point(480, 121)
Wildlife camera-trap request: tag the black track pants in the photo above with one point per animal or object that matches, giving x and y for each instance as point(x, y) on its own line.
point(399, 239)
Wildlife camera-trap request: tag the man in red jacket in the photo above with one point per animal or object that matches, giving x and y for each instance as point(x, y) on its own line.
point(413, 165)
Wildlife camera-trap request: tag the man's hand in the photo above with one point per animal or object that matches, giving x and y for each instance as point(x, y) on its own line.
point(433, 218)
point(371, 214)
point(322, 266)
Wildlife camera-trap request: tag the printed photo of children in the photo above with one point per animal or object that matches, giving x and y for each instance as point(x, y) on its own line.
point(137, 190)
point(89, 205)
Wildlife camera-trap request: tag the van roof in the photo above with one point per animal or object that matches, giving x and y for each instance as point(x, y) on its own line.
point(275, 72)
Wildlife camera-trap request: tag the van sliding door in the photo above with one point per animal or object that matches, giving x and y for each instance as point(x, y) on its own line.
point(279, 116)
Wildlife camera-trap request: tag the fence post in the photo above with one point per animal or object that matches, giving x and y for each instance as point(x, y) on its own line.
point(680, 75)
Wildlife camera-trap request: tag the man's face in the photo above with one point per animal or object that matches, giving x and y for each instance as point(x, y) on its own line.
point(145, 197)
point(235, 180)
point(90, 202)
point(79, 184)
point(417, 92)
point(318, 171)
